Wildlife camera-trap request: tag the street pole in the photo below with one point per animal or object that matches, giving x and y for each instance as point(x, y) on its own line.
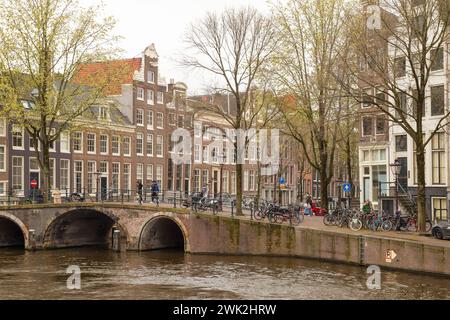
point(396, 192)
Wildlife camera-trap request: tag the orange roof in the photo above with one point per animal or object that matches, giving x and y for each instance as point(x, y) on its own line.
point(110, 74)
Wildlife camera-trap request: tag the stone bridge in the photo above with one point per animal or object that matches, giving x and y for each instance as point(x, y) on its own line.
point(119, 227)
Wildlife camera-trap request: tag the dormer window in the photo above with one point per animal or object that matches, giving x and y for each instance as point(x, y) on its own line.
point(103, 113)
point(151, 77)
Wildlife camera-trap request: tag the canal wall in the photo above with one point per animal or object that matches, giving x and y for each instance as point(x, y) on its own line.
point(245, 237)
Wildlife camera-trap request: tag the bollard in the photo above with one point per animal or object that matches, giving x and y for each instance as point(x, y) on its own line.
point(116, 240)
point(32, 239)
point(174, 199)
point(232, 208)
point(251, 213)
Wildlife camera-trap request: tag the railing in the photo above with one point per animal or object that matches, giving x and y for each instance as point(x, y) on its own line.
point(385, 188)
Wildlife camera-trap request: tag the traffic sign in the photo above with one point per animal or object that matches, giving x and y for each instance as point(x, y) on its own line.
point(390, 255)
point(34, 184)
point(347, 187)
point(282, 181)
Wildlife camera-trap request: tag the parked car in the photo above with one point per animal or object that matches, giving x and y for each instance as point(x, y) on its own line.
point(441, 230)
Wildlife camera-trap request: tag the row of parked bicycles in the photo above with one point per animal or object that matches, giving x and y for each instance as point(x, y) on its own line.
point(278, 214)
point(357, 220)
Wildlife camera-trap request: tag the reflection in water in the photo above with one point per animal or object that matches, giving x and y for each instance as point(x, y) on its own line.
point(174, 275)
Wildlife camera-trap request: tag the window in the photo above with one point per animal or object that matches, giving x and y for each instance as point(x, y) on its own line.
point(159, 175)
point(78, 142)
point(115, 145)
point(367, 98)
point(380, 96)
point(365, 155)
point(3, 188)
point(127, 146)
point(103, 113)
point(91, 165)
point(437, 58)
point(401, 143)
point(171, 119)
point(438, 158)
point(251, 182)
point(160, 97)
point(180, 122)
point(150, 76)
point(150, 120)
point(150, 97)
point(78, 176)
point(150, 145)
point(149, 174)
point(103, 167)
point(440, 209)
point(127, 177)
point(64, 143)
point(159, 120)
point(139, 117)
point(140, 94)
point(140, 172)
point(52, 143)
point(367, 124)
point(2, 158)
point(379, 155)
point(91, 142)
point(233, 182)
point(205, 154)
point(415, 159)
point(225, 181)
point(115, 176)
point(64, 174)
point(103, 144)
point(197, 180)
point(197, 153)
point(400, 67)
point(17, 137)
point(437, 100)
point(139, 144)
point(17, 174)
point(380, 125)
point(2, 127)
point(197, 130)
point(215, 154)
point(159, 145)
point(403, 107)
point(205, 175)
point(246, 185)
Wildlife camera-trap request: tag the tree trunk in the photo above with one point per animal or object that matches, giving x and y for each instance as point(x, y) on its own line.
point(258, 191)
point(239, 189)
point(421, 207)
point(349, 169)
point(46, 182)
point(323, 188)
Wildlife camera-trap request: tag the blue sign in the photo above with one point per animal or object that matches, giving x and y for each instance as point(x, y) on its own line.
point(347, 187)
point(282, 181)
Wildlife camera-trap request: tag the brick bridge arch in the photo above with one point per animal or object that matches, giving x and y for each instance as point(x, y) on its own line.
point(155, 233)
point(81, 226)
point(17, 222)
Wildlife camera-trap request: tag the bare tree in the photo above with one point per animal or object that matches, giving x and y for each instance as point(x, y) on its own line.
point(233, 46)
point(311, 35)
point(43, 43)
point(398, 55)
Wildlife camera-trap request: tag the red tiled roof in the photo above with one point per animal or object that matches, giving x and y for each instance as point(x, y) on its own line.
point(112, 73)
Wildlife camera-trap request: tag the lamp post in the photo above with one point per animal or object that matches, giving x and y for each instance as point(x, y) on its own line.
point(396, 167)
point(97, 175)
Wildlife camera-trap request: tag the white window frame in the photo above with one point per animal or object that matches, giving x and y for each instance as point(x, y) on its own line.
point(5, 165)
point(160, 94)
point(150, 97)
point(81, 142)
point(140, 116)
point(95, 143)
point(107, 144)
point(12, 138)
point(118, 146)
point(68, 173)
point(140, 94)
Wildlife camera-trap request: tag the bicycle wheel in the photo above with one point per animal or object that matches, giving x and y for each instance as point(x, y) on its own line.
point(428, 226)
point(296, 219)
point(412, 226)
point(272, 218)
point(386, 225)
point(328, 220)
point(355, 224)
point(258, 215)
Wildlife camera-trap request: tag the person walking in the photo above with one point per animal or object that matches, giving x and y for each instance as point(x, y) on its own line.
point(140, 186)
point(155, 192)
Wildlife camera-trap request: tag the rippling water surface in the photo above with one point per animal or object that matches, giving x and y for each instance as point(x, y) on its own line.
point(174, 275)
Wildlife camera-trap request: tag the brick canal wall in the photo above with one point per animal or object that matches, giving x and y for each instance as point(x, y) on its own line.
point(244, 237)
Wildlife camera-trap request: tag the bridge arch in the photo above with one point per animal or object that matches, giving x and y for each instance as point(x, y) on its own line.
point(162, 231)
point(13, 231)
point(79, 227)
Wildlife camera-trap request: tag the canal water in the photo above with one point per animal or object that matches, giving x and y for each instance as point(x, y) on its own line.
point(175, 275)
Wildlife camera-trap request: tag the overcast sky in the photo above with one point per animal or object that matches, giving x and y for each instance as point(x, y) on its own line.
point(164, 22)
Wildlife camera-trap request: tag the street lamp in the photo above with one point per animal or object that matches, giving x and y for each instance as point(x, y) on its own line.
point(396, 167)
point(97, 175)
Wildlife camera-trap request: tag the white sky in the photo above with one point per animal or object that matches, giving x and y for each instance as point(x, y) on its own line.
point(165, 23)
